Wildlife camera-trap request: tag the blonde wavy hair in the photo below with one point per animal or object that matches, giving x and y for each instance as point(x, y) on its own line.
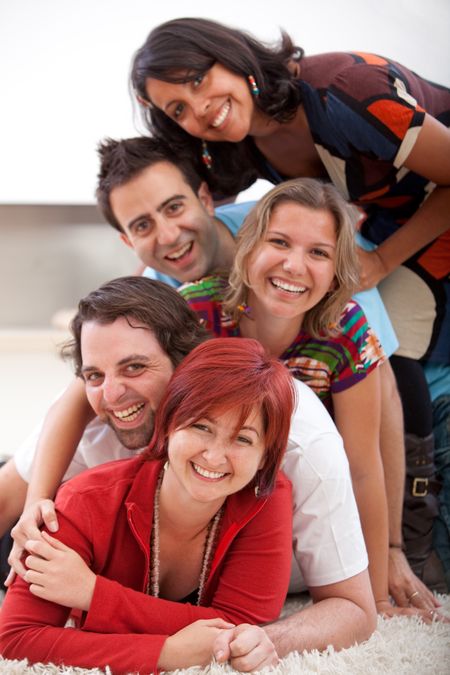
point(322, 319)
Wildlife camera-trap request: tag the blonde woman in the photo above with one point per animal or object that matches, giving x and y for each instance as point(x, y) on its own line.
point(294, 273)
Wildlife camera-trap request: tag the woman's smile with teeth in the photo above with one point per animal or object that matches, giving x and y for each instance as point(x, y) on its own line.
point(129, 414)
point(286, 286)
point(214, 475)
point(220, 118)
point(179, 253)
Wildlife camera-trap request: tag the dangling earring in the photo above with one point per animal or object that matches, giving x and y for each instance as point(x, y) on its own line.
point(256, 491)
point(166, 465)
point(253, 86)
point(244, 309)
point(206, 157)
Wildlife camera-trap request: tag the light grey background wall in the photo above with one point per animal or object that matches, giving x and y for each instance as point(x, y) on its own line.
point(51, 256)
point(63, 85)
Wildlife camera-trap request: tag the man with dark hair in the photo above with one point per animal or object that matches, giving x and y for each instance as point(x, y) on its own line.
point(121, 161)
point(164, 211)
point(174, 327)
point(328, 543)
point(165, 313)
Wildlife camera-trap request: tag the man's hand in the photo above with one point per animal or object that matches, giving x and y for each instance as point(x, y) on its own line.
point(405, 588)
point(371, 269)
point(58, 574)
point(247, 647)
point(193, 645)
point(38, 513)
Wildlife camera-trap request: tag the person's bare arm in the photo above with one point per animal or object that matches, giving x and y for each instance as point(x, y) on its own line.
point(342, 614)
point(63, 427)
point(357, 417)
point(403, 583)
point(429, 158)
point(392, 450)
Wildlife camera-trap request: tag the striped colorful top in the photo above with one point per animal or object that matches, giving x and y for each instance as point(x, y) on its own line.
point(327, 365)
point(365, 114)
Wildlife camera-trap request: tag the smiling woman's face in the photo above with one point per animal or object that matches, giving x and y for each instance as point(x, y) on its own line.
point(293, 266)
point(217, 106)
point(209, 461)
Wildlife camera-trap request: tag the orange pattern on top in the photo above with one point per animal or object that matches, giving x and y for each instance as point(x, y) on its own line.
point(436, 259)
point(388, 202)
point(369, 196)
point(394, 116)
point(373, 59)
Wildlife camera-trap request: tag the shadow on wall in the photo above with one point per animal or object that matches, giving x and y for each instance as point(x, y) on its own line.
point(50, 256)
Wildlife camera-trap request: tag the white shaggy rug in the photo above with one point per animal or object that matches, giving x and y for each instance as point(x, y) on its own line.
point(399, 646)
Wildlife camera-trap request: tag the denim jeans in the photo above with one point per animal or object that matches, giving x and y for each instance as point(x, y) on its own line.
point(441, 527)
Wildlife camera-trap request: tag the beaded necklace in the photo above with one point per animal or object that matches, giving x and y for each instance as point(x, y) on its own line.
point(210, 547)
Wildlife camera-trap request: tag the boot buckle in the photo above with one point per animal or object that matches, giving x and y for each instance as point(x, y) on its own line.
point(420, 487)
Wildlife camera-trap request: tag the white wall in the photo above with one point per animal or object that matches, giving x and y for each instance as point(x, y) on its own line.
point(64, 70)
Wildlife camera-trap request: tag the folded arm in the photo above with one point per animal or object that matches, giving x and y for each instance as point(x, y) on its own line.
point(428, 158)
point(32, 626)
point(342, 614)
point(63, 428)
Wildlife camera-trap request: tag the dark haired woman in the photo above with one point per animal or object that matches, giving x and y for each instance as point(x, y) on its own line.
point(374, 128)
point(378, 131)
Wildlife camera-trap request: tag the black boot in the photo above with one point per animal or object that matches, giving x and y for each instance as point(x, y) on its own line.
point(420, 506)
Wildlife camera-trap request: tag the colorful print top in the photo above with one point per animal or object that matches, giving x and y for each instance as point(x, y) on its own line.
point(365, 114)
point(327, 365)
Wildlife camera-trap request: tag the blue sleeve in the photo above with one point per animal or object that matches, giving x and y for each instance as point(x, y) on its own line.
point(374, 309)
point(150, 273)
point(233, 215)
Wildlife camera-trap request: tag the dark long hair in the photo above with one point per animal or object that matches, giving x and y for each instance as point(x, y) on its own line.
point(180, 50)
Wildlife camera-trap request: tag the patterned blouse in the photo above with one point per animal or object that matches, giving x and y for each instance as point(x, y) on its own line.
point(327, 365)
point(365, 114)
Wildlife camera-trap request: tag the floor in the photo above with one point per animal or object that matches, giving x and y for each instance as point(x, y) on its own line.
point(32, 375)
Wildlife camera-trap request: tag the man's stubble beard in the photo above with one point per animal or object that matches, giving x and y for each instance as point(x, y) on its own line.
point(136, 438)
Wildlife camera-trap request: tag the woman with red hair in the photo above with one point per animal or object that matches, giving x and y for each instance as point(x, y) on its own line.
point(197, 538)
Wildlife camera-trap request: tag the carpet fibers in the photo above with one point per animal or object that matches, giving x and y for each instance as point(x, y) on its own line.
point(399, 646)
